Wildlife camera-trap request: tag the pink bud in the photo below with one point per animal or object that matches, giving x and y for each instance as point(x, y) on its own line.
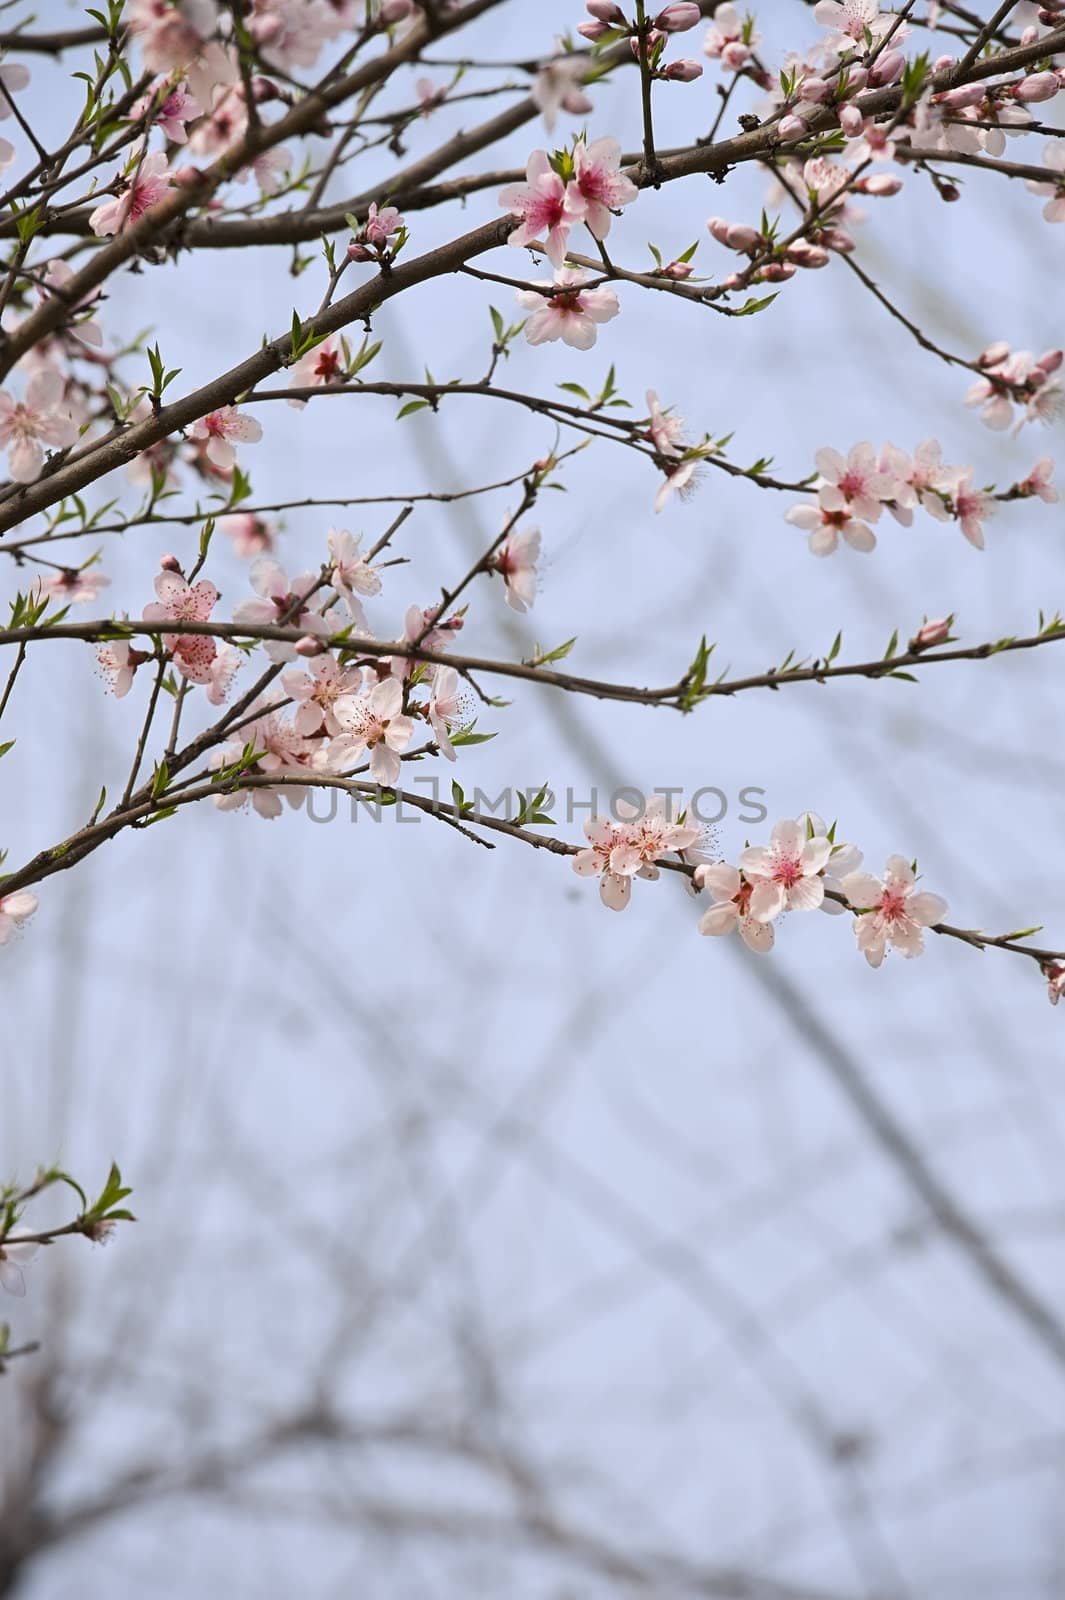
point(880, 186)
point(857, 78)
point(994, 355)
point(887, 69)
point(805, 254)
point(1029, 36)
point(679, 17)
point(735, 55)
point(837, 239)
point(1051, 361)
point(394, 11)
point(734, 235)
point(791, 128)
point(359, 252)
point(851, 121)
point(969, 94)
point(592, 30)
point(1040, 86)
point(683, 71)
point(309, 646)
point(776, 272)
point(678, 270)
point(606, 11)
point(816, 89)
point(932, 633)
point(941, 63)
point(653, 40)
point(577, 103)
point(264, 89)
point(169, 563)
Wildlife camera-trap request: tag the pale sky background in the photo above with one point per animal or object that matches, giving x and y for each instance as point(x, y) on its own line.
point(428, 1129)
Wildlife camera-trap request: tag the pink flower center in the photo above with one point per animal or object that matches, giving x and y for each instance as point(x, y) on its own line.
point(787, 870)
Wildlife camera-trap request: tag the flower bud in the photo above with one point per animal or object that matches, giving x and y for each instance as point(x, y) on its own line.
point(169, 563)
point(805, 254)
point(816, 89)
point(683, 71)
point(970, 94)
point(851, 120)
point(994, 355)
point(1040, 86)
point(949, 192)
point(837, 239)
point(932, 633)
point(592, 30)
point(1051, 361)
point(678, 270)
point(881, 185)
point(941, 63)
point(606, 12)
point(394, 11)
point(359, 252)
point(777, 272)
point(309, 646)
point(857, 78)
point(791, 128)
point(679, 17)
point(887, 69)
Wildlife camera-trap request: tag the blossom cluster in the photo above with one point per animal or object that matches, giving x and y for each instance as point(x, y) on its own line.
point(853, 490)
point(802, 868)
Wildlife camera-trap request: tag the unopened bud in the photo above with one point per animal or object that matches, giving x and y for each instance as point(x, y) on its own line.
point(932, 633)
point(683, 71)
point(605, 11)
point(1051, 361)
point(791, 128)
point(994, 355)
point(880, 185)
point(805, 254)
point(394, 11)
point(679, 17)
point(309, 646)
point(887, 69)
point(169, 563)
point(1040, 86)
point(851, 120)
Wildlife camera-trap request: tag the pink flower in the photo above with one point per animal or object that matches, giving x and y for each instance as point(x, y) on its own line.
point(972, 508)
point(283, 750)
point(571, 315)
point(857, 482)
point(1054, 161)
point(826, 520)
point(15, 909)
point(173, 110)
point(1038, 481)
point(558, 86)
point(323, 365)
point(891, 911)
point(786, 873)
point(666, 432)
point(318, 691)
point(251, 535)
point(515, 561)
point(224, 126)
point(57, 275)
point(14, 1253)
point(446, 708)
point(224, 666)
point(219, 428)
point(542, 203)
point(679, 479)
point(179, 601)
point(281, 602)
point(1054, 973)
point(376, 722)
point(42, 418)
point(170, 34)
point(852, 18)
point(118, 661)
point(351, 572)
point(619, 851)
point(598, 185)
point(73, 585)
point(729, 40)
point(731, 910)
point(149, 182)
